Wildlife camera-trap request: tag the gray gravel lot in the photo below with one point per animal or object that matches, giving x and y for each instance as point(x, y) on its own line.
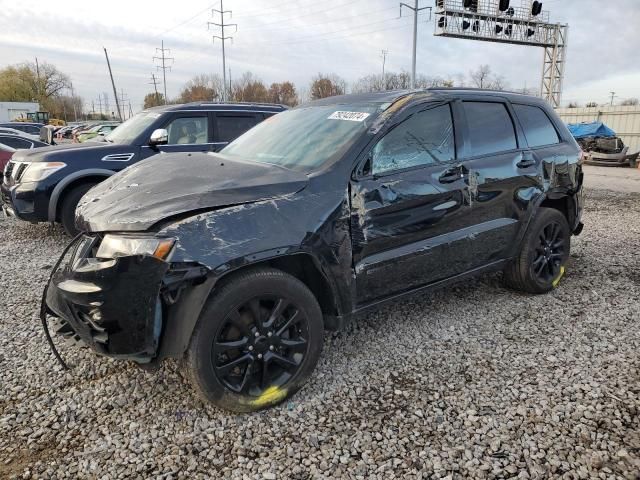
point(474, 381)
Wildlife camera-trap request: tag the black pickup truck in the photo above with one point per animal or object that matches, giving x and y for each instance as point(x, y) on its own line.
point(45, 185)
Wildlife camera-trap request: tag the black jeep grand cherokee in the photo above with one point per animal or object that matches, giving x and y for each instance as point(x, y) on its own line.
point(45, 185)
point(238, 261)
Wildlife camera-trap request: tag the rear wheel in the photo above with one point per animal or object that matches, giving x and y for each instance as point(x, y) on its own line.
point(545, 250)
point(68, 208)
point(257, 341)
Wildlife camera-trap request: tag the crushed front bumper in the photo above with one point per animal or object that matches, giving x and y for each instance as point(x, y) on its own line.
point(112, 305)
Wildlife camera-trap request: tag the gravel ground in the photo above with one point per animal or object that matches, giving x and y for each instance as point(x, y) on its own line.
point(473, 382)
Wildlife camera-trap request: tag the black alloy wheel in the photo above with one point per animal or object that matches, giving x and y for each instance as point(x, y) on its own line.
point(540, 264)
point(260, 344)
point(549, 253)
point(257, 340)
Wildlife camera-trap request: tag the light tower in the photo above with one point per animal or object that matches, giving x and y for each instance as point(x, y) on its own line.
point(500, 21)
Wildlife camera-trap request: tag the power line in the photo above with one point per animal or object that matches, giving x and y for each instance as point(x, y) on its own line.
point(163, 58)
point(222, 38)
point(323, 36)
point(184, 22)
point(295, 17)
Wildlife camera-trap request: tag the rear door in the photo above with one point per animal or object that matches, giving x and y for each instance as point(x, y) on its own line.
point(230, 125)
point(503, 176)
point(410, 211)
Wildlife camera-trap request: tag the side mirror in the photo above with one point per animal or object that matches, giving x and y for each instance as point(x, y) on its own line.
point(159, 136)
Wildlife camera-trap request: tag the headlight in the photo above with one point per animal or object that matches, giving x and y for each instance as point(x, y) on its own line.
point(37, 171)
point(114, 246)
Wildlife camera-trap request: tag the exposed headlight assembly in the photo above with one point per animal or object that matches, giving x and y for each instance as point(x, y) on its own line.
point(37, 171)
point(114, 246)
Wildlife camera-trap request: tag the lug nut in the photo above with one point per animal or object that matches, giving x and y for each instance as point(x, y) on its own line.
point(251, 348)
point(257, 334)
point(259, 355)
point(269, 334)
point(271, 348)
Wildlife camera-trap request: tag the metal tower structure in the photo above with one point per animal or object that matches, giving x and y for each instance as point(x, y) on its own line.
point(499, 21)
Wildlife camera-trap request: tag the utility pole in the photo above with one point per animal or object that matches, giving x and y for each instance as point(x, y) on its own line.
point(123, 102)
point(163, 58)
point(222, 38)
point(384, 79)
point(115, 94)
point(73, 99)
point(154, 81)
point(416, 10)
point(613, 95)
point(100, 104)
point(38, 78)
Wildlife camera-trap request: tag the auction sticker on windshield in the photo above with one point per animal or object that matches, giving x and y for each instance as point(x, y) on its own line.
point(351, 116)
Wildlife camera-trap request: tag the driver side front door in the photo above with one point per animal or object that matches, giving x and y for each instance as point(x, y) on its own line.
point(411, 214)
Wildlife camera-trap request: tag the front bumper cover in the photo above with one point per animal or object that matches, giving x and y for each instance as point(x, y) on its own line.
point(112, 305)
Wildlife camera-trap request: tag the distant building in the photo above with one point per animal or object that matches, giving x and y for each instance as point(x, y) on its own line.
point(9, 111)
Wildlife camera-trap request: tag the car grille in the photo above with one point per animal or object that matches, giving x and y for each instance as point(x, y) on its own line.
point(7, 171)
point(13, 172)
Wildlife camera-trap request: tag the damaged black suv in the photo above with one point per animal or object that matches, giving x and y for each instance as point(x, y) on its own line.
point(237, 261)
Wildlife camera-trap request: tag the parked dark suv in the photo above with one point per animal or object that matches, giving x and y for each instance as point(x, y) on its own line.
point(45, 185)
point(238, 261)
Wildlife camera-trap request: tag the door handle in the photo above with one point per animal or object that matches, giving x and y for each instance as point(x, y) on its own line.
point(452, 175)
point(526, 161)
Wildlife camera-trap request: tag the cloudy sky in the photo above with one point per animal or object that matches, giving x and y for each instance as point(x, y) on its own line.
point(295, 39)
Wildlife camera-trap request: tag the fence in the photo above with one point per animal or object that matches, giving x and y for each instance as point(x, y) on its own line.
point(625, 121)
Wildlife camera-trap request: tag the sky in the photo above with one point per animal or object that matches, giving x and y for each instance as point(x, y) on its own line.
point(294, 40)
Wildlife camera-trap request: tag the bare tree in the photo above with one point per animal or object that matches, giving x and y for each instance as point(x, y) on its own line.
point(153, 99)
point(28, 82)
point(481, 77)
point(573, 105)
point(370, 83)
point(484, 78)
point(201, 88)
point(630, 102)
point(249, 88)
point(592, 104)
point(323, 86)
point(283, 93)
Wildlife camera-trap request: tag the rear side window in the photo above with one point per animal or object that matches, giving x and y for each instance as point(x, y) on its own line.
point(490, 128)
point(538, 129)
point(230, 127)
point(17, 143)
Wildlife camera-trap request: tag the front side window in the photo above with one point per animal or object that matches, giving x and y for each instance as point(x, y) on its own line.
point(128, 131)
point(230, 127)
point(425, 138)
point(490, 128)
point(538, 129)
point(188, 130)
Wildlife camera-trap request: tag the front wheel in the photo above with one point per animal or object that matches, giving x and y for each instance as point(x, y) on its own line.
point(68, 208)
point(257, 341)
point(540, 264)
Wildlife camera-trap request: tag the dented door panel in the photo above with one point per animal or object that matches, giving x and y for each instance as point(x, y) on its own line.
point(403, 228)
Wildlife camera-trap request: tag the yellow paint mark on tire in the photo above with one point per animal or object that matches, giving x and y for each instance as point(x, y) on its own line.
point(270, 395)
point(556, 281)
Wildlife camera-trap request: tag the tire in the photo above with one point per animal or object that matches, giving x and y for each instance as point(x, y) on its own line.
point(229, 319)
point(541, 262)
point(68, 208)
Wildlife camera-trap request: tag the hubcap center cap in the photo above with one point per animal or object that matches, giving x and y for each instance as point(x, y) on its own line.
point(261, 344)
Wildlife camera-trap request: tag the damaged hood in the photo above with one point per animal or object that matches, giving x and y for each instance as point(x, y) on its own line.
point(173, 184)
